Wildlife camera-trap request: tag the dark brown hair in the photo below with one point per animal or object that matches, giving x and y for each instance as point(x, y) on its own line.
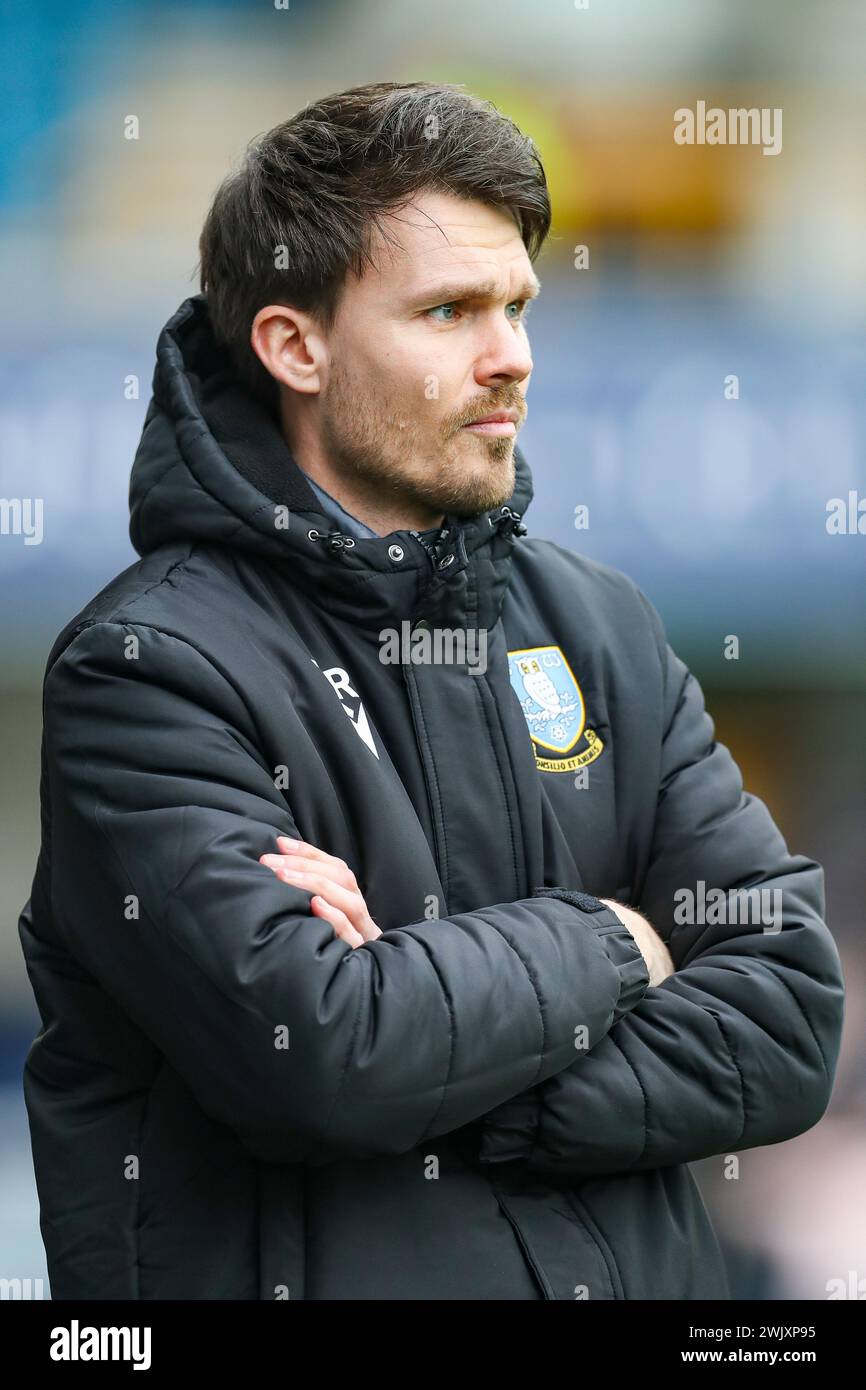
point(313, 190)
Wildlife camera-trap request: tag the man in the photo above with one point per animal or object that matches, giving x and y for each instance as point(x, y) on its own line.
point(357, 930)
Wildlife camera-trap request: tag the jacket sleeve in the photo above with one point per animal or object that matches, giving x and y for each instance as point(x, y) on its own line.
point(160, 804)
point(739, 1047)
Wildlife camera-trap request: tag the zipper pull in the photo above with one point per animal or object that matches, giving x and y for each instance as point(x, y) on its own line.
point(428, 547)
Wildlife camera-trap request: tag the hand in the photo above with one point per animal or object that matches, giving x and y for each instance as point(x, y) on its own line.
point(338, 898)
point(650, 944)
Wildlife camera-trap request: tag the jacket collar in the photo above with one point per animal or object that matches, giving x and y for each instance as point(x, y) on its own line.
point(340, 519)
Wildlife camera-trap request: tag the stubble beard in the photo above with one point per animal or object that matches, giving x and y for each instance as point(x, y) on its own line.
point(440, 466)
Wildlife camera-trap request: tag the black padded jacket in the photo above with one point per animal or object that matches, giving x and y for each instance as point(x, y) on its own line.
point(488, 1101)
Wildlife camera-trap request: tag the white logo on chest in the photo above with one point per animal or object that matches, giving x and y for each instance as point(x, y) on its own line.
point(350, 701)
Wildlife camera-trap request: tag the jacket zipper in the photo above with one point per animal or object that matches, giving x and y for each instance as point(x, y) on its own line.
point(431, 782)
point(431, 548)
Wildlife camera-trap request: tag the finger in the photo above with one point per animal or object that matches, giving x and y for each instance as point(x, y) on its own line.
point(334, 893)
point(338, 920)
point(349, 900)
point(329, 863)
point(368, 930)
point(352, 904)
point(308, 851)
point(341, 874)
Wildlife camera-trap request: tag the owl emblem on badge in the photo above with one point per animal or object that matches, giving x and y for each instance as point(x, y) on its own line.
point(553, 706)
point(540, 689)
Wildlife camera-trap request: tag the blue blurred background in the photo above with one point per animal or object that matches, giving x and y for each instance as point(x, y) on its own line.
point(704, 262)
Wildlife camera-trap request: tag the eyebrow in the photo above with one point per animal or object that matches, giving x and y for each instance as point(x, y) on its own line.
point(480, 289)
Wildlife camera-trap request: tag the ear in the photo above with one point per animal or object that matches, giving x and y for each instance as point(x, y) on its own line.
point(290, 345)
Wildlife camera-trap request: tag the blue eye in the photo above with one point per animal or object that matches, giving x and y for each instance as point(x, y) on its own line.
point(450, 309)
point(436, 309)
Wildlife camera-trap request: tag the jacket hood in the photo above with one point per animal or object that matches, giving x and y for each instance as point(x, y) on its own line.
point(212, 466)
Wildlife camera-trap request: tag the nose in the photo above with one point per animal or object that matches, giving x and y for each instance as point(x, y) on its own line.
point(505, 357)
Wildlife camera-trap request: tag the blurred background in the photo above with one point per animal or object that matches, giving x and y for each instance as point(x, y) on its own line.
point(705, 263)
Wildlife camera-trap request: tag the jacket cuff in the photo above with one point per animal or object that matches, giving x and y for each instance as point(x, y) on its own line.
point(621, 947)
point(509, 1133)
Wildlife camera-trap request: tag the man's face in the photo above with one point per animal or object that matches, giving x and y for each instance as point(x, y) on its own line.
point(430, 340)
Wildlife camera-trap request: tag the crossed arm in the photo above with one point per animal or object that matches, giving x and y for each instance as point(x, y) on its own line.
point(338, 899)
point(157, 797)
point(735, 1043)
point(161, 806)
point(736, 1048)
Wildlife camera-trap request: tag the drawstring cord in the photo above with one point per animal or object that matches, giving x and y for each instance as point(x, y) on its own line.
point(507, 522)
point(336, 541)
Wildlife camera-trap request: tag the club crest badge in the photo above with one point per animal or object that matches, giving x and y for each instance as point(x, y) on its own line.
point(553, 707)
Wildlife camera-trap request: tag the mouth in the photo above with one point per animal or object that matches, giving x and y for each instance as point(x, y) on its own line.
point(498, 423)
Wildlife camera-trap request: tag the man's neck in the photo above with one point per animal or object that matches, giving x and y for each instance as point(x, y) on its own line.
point(368, 502)
point(381, 513)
